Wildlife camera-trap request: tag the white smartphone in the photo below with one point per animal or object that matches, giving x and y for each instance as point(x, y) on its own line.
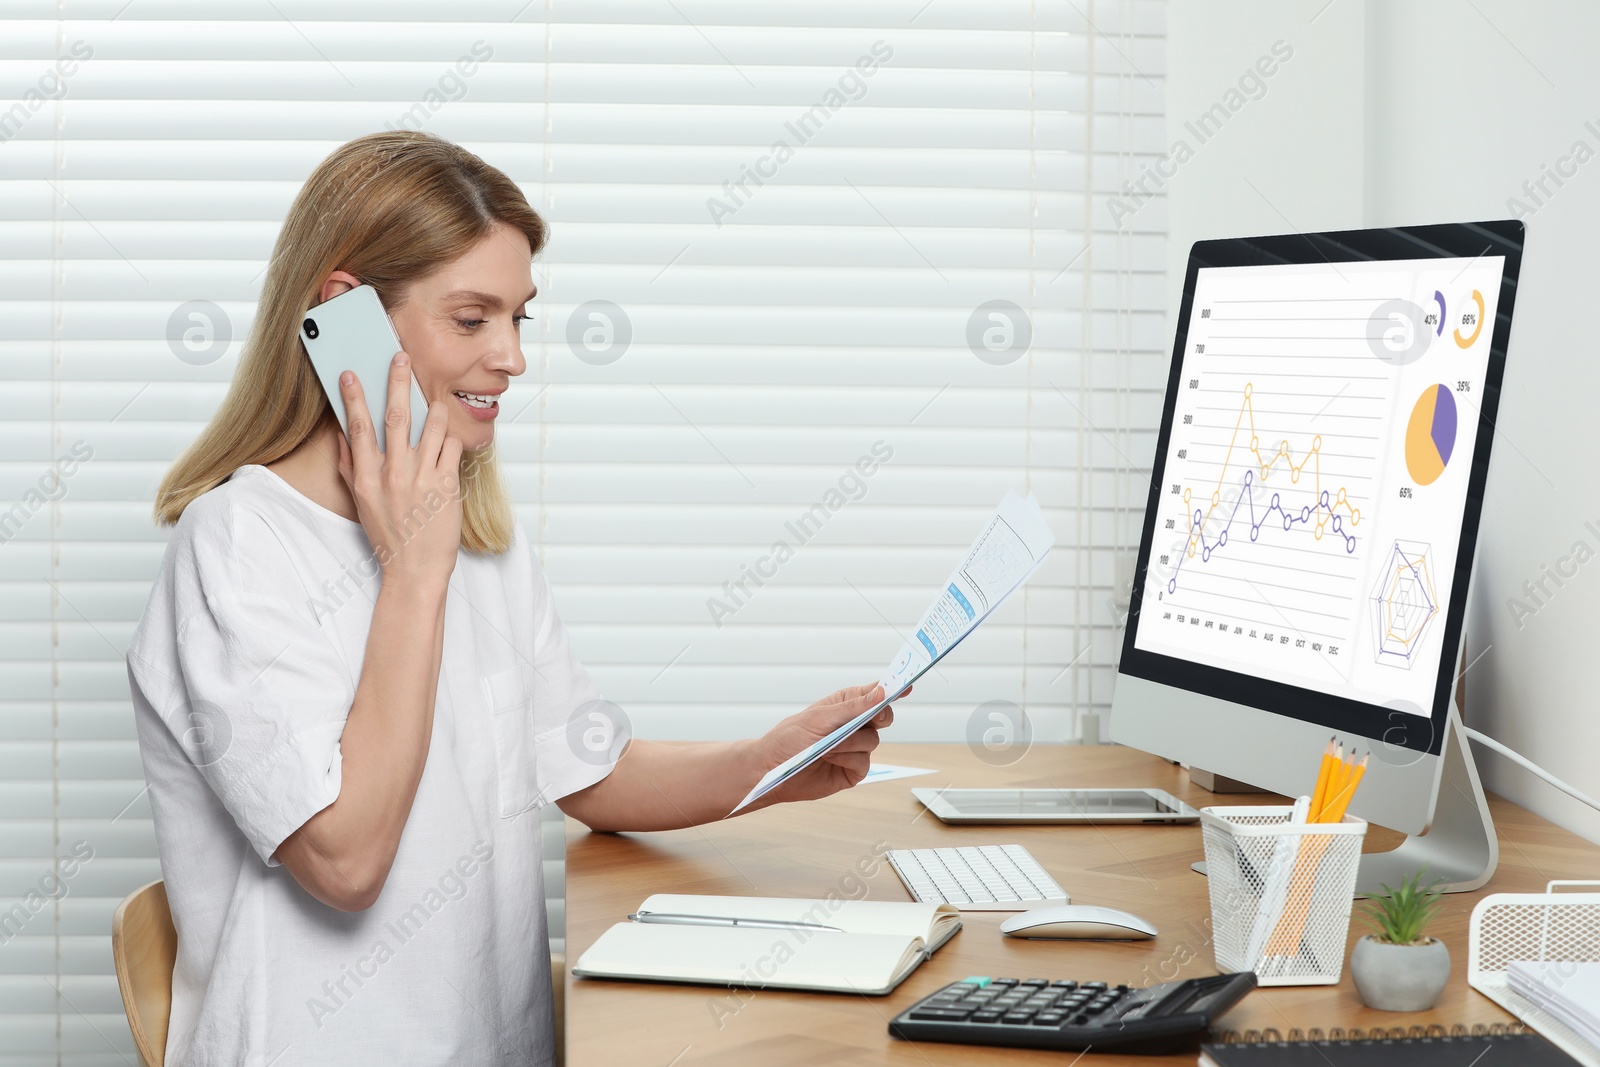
point(353, 332)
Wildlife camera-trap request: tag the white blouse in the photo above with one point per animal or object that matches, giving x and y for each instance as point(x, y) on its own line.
point(243, 670)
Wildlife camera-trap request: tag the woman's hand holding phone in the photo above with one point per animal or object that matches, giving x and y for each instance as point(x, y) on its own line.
point(408, 499)
point(409, 502)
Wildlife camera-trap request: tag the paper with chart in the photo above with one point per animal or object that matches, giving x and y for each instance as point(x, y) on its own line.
point(1014, 541)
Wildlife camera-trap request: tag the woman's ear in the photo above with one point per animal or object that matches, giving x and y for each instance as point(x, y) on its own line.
point(337, 284)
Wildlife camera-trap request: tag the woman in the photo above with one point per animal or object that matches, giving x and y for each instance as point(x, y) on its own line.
point(352, 690)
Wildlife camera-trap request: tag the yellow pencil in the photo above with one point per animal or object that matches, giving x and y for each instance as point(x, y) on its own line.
point(1341, 781)
point(1291, 925)
point(1341, 801)
point(1324, 773)
point(1336, 778)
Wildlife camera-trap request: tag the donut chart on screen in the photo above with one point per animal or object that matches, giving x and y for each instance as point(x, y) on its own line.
point(1431, 434)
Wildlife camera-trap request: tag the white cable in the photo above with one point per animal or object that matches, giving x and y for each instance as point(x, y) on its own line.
point(1523, 761)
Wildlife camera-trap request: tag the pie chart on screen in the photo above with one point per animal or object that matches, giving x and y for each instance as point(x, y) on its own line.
point(1431, 434)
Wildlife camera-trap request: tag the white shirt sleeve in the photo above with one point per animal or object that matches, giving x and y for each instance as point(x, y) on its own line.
point(578, 734)
point(262, 693)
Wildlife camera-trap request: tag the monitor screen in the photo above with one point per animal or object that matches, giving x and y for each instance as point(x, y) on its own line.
point(1317, 483)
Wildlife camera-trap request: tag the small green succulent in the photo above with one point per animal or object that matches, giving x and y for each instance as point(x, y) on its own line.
point(1400, 915)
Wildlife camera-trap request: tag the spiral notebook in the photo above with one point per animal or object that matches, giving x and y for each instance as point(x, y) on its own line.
point(1493, 1046)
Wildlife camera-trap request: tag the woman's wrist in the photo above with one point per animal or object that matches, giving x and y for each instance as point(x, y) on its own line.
point(753, 758)
point(418, 592)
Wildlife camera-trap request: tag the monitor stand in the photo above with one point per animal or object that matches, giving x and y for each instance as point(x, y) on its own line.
point(1459, 849)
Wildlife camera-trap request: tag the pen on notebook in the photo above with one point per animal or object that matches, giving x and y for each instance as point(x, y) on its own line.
point(721, 920)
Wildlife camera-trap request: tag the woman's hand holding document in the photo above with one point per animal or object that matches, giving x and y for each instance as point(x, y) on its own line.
point(1013, 542)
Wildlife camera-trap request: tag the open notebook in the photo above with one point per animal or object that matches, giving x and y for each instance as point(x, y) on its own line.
point(843, 946)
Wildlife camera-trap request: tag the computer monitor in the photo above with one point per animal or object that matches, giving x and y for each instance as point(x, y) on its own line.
point(1313, 513)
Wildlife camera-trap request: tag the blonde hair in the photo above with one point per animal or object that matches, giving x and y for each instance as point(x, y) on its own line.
point(388, 208)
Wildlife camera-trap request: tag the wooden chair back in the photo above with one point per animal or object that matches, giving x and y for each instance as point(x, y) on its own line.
point(145, 947)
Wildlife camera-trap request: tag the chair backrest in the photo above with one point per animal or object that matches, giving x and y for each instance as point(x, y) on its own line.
point(145, 947)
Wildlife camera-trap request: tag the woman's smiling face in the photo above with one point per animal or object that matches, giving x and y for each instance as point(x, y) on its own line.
point(461, 326)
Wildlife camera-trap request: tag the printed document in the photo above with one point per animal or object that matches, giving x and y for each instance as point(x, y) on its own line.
point(1013, 542)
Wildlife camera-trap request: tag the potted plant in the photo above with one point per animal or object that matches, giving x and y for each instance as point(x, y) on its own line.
point(1399, 968)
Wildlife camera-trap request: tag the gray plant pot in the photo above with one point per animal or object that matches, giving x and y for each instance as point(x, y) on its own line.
point(1399, 977)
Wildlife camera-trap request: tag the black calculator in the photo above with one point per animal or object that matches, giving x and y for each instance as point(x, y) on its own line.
point(1073, 1016)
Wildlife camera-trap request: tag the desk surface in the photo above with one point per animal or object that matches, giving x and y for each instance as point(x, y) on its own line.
point(803, 850)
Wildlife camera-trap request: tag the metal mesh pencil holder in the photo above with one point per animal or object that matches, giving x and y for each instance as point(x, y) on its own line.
point(1281, 892)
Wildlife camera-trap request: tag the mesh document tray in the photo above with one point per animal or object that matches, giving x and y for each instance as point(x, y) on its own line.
point(1535, 926)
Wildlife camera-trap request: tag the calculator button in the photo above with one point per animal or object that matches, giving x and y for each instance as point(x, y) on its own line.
point(1049, 1018)
point(1098, 987)
point(1016, 1017)
point(978, 980)
point(1003, 981)
point(1034, 982)
point(1062, 983)
point(986, 1016)
point(948, 1014)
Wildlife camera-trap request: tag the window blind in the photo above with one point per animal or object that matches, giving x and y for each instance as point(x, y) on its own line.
point(829, 276)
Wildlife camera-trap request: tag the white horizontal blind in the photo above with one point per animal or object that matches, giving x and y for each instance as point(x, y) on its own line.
point(757, 344)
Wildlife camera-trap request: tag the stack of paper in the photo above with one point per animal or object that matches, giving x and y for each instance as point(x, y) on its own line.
point(1568, 991)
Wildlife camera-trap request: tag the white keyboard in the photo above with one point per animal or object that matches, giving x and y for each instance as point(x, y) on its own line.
point(977, 877)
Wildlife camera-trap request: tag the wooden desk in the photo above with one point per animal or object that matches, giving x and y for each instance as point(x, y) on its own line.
point(804, 850)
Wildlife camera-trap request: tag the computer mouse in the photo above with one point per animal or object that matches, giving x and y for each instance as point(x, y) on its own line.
point(1083, 922)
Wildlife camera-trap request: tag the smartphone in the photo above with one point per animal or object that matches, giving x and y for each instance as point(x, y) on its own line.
point(353, 332)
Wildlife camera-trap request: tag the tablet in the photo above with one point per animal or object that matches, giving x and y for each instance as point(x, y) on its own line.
point(1055, 805)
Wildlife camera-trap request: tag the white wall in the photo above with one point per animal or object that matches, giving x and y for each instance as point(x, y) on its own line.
point(1438, 111)
point(1288, 161)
